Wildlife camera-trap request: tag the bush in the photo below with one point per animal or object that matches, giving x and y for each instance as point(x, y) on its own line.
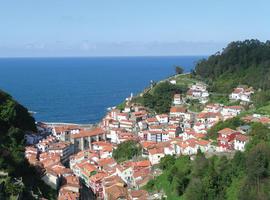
point(126, 151)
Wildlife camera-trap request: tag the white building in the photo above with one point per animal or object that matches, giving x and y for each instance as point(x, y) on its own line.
point(240, 142)
point(163, 118)
point(177, 99)
point(242, 94)
point(155, 155)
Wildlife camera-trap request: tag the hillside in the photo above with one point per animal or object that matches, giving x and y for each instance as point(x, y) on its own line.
point(242, 62)
point(245, 177)
point(17, 178)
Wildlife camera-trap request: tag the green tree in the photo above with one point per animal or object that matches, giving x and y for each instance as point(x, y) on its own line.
point(167, 161)
point(126, 151)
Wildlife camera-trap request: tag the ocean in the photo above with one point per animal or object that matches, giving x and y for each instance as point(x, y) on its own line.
point(79, 90)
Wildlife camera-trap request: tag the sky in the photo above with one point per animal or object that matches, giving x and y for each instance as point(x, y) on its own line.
point(46, 28)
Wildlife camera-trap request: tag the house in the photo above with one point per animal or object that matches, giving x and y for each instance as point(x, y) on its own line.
point(163, 118)
point(152, 121)
point(124, 171)
point(175, 120)
point(63, 132)
point(127, 124)
point(173, 81)
point(64, 149)
point(31, 153)
point(122, 116)
point(240, 142)
point(154, 135)
point(177, 99)
point(155, 154)
point(103, 148)
point(142, 125)
point(67, 195)
point(43, 145)
point(54, 173)
point(226, 138)
point(114, 188)
point(173, 131)
point(213, 108)
point(47, 159)
point(203, 145)
point(256, 118)
point(114, 113)
point(84, 139)
point(138, 116)
point(188, 147)
point(106, 163)
point(95, 183)
point(178, 111)
point(146, 145)
point(71, 183)
point(242, 93)
point(208, 118)
point(231, 111)
point(86, 171)
point(126, 136)
point(200, 127)
point(198, 91)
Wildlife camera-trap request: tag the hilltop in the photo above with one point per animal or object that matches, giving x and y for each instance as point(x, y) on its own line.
point(242, 62)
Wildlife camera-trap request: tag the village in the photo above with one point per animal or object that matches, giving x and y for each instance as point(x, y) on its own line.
point(70, 157)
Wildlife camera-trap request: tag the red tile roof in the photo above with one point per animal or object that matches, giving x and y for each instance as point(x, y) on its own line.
point(178, 110)
point(226, 131)
point(241, 137)
point(87, 133)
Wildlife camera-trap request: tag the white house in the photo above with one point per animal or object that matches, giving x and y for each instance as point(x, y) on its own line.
point(240, 142)
point(177, 99)
point(231, 111)
point(125, 172)
point(163, 118)
point(155, 154)
point(178, 111)
point(242, 94)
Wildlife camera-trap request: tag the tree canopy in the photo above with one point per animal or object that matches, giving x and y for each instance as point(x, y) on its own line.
point(126, 151)
point(160, 98)
point(14, 122)
point(242, 62)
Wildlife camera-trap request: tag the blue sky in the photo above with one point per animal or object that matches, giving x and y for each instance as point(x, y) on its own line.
point(128, 28)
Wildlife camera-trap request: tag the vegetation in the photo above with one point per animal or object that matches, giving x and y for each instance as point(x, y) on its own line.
point(20, 179)
point(195, 105)
point(185, 80)
point(246, 62)
point(160, 97)
point(245, 176)
point(230, 123)
point(126, 151)
point(179, 70)
point(121, 106)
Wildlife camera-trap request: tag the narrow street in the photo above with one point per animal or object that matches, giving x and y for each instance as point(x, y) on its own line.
point(86, 193)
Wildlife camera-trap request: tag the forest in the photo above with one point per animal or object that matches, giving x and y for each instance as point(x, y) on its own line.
point(241, 62)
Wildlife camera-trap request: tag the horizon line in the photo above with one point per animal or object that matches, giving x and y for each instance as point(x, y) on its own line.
point(118, 56)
